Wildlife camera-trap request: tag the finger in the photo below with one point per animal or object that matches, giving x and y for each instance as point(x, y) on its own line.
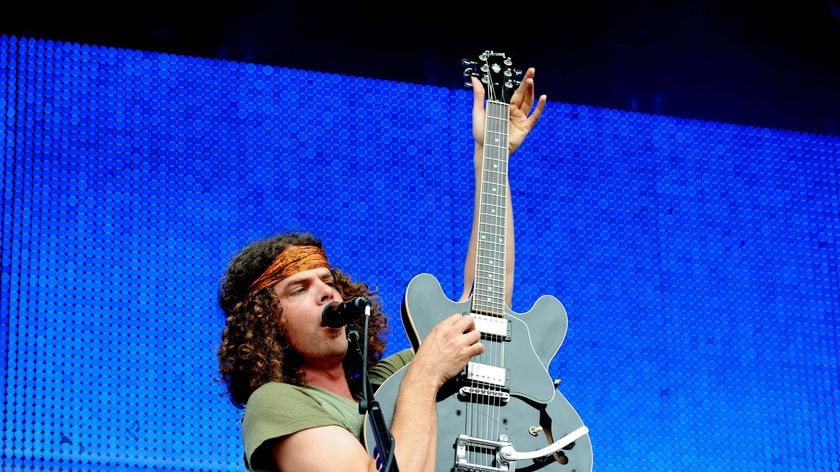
point(535, 116)
point(523, 98)
point(472, 336)
point(457, 323)
point(466, 323)
point(478, 94)
point(475, 349)
point(519, 96)
point(452, 319)
point(528, 96)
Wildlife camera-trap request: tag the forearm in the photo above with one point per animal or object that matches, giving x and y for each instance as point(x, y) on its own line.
point(414, 426)
point(444, 353)
point(470, 262)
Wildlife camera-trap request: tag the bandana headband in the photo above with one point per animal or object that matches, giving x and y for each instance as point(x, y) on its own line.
point(289, 262)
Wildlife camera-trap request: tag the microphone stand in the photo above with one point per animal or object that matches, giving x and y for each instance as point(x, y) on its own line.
point(384, 450)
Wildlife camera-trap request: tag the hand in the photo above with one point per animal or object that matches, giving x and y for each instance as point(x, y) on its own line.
point(522, 120)
point(448, 348)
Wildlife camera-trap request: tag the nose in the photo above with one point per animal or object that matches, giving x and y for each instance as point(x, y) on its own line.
point(328, 293)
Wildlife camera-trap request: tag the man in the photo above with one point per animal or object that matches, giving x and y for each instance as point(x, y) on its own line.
point(292, 375)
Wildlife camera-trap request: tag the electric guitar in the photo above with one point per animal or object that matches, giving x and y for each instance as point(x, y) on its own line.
point(503, 412)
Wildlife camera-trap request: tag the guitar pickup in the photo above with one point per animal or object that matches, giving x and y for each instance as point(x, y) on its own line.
point(487, 374)
point(496, 326)
point(482, 382)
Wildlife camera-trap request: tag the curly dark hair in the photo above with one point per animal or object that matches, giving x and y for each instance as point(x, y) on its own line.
point(254, 349)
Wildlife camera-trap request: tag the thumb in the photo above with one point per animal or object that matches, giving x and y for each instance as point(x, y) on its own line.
point(478, 94)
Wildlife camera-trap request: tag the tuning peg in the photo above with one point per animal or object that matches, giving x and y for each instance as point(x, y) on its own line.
point(469, 71)
point(467, 74)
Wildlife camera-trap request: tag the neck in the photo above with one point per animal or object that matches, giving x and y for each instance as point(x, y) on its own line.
point(331, 379)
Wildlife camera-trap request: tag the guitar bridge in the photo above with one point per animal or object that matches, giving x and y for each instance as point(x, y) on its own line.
point(474, 393)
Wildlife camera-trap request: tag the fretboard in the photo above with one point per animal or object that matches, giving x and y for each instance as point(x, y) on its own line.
point(489, 291)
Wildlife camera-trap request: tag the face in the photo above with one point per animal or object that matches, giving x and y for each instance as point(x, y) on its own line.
point(303, 297)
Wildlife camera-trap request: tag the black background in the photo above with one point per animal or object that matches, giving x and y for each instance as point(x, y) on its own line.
point(769, 64)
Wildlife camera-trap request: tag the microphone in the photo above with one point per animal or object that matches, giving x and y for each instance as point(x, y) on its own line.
point(336, 315)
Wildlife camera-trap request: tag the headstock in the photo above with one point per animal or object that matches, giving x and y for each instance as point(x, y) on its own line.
point(496, 72)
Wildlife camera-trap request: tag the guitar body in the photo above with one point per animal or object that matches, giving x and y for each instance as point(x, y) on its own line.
point(534, 416)
point(425, 305)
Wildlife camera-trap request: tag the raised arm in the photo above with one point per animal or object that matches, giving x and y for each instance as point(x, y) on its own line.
point(522, 121)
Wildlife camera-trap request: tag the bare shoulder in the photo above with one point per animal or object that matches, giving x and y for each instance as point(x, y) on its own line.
point(321, 449)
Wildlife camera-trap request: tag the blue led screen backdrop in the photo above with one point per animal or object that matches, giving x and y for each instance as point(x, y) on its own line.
point(697, 261)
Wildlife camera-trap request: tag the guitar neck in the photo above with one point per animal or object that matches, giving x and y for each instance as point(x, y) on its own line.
point(489, 292)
